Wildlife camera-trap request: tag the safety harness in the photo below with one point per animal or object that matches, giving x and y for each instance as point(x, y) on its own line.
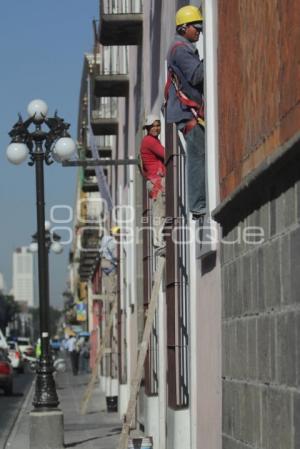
point(196, 108)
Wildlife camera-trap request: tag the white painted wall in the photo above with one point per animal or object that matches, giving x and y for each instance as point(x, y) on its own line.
point(200, 425)
point(155, 408)
point(207, 428)
point(162, 363)
point(178, 425)
point(123, 399)
point(151, 413)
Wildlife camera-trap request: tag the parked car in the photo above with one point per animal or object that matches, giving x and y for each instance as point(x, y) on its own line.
point(25, 346)
point(16, 356)
point(6, 373)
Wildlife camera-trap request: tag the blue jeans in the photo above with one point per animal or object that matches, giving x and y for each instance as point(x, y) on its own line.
point(195, 148)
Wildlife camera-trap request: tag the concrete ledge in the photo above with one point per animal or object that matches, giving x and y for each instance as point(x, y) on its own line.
point(252, 189)
point(46, 429)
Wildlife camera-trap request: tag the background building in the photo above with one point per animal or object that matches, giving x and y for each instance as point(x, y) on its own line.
point(23, 276)
point(2, 283)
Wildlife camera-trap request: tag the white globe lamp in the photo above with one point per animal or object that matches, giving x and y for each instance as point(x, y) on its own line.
point(64, 148)
point(33, 247)
point(17, 152)
point(37, 109)
point(47, 225)
point(56, 247)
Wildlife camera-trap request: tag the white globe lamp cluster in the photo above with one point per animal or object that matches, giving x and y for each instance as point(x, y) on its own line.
point(55, 246)
point(64, 147)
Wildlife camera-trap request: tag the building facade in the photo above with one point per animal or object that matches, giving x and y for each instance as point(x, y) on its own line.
point(122, 82)
point(222, 364)
point(259, 214)
point(22, 281)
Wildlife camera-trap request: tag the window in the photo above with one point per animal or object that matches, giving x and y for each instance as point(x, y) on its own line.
point(177, 272)
point(151, 363)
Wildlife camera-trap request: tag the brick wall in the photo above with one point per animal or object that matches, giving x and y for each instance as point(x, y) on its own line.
point(259, 83)
point(261, 317)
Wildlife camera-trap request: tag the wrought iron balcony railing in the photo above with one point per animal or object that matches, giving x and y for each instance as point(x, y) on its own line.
point(122, 6)
point(111, 60)
point(111, 72)
point(121, 22)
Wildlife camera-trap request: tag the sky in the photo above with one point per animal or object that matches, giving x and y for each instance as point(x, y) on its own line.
point(42, 47)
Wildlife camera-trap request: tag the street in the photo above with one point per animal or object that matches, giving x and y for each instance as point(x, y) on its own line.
point(10, 406)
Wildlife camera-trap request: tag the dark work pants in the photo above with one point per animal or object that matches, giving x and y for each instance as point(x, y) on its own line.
point(195, 148)
point(74, 362)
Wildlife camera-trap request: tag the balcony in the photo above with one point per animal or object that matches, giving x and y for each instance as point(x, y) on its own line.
point(90, 172)
point(104, 121)
point(90, 185)
point(89, 252)
point(87, 264)
point(111, 85)
point(87, 268)
point(121, 23)
point(85, 275)
point(103, 126)
point(111, 72)
point(104, 152)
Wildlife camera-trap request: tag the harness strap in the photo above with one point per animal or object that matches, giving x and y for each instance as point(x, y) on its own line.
point(189, 126)
point(196, 108)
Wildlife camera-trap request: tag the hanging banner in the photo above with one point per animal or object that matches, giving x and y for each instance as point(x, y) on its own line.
point(81, 311)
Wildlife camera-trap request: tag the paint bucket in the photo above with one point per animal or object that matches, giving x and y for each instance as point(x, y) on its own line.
point(112, 403)
point(140, 443)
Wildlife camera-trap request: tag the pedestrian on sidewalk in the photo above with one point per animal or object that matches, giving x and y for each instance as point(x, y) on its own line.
point(84, 355)
point(74, 353)
point(152, 155)
point(38, 349)
point(184, 101)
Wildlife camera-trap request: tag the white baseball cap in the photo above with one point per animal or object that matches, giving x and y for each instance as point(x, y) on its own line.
point(150, 119)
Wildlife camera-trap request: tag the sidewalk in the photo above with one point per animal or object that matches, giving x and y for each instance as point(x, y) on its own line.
point(97, 429)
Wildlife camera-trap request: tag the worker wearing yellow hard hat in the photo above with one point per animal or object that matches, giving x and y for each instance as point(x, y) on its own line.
point(184, 102)
point(188, 14)
point(115, 230)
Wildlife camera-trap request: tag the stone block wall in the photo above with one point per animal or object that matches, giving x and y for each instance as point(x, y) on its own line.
point(261, 315)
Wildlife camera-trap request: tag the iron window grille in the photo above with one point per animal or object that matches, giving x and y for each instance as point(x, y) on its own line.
point(177, 272)
point(151, 363)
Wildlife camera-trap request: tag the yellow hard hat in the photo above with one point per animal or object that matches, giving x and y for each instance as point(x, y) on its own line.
point(188, 14)
point(115, 229)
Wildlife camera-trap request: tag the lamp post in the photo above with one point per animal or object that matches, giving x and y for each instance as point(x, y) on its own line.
point(42, 145)
point(51, 238)
point(52, 244)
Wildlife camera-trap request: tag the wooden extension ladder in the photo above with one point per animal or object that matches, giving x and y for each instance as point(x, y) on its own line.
point(101, 351)
point(136, 382)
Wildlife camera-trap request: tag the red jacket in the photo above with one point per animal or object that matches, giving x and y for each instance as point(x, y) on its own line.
point(153, 158)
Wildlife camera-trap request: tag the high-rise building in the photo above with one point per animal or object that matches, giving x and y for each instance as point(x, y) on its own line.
point(2, 283)
point(23, 276)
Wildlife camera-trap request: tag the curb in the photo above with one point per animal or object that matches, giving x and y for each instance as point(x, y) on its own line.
point(14, 427)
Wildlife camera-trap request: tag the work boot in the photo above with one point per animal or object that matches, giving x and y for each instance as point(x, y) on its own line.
point(161, 251)
point(199, 215)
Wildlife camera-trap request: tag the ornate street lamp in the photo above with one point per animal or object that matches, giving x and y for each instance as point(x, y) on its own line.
point(42, 145)
point(51, 238)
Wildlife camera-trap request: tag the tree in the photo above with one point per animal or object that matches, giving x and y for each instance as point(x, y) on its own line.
point(54, 319)
point(8, 310)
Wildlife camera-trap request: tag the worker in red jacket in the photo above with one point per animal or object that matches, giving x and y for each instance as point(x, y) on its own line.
point(153, 168)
